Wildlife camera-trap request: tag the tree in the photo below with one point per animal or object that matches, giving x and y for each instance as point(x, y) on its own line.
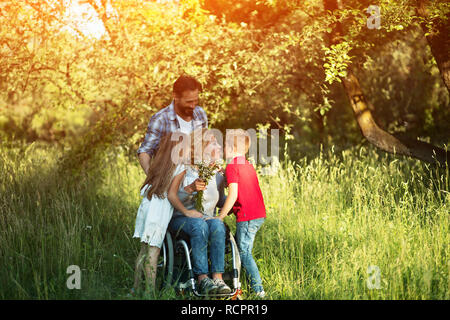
point(88, 93)
point(436, 27)
point(261, 14)
point(369, 128)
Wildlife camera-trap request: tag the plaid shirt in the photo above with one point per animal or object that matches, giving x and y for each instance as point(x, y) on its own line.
point(164, 122)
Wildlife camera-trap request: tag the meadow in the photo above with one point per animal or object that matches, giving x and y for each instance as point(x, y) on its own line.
point(334, 223)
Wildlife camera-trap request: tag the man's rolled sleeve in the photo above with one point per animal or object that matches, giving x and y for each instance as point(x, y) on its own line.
point(152, 137)
point(200, 117)
point(204, 118)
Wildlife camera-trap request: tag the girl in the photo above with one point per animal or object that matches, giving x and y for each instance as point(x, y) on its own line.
point(155, 210)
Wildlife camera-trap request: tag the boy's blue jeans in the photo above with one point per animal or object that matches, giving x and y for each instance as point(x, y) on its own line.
point(245, 236)
point(201, 232)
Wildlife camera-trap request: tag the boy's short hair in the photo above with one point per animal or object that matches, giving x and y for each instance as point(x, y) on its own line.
point(239, 139)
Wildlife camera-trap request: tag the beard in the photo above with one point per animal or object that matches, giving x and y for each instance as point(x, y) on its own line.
point(188, 111)
point(184, 110)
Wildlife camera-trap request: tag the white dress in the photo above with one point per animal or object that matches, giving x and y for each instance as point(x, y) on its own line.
point(153, 216)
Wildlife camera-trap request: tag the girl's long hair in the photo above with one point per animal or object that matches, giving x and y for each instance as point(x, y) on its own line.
point(162, 167)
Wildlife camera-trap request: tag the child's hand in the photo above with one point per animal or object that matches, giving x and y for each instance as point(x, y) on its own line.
point(220, 216)
point(193, 214)
point(222, 213)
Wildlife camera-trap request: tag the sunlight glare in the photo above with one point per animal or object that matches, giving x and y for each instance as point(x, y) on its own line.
point(82, 17)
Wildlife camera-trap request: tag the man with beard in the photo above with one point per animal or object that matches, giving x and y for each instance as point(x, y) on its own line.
point(183, 115)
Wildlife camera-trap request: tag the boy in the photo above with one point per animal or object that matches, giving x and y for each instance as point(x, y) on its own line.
point(246, 200)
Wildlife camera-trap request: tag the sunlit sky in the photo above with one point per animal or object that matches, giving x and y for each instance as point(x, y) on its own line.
point(84, 18)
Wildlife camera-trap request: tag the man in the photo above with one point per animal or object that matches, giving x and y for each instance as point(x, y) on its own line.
point(182, 114)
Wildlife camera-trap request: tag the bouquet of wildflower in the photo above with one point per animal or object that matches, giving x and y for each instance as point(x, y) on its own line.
point(206, 170)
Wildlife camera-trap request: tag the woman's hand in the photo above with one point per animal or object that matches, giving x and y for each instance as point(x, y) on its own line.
point(193, 214)
point(197, 185)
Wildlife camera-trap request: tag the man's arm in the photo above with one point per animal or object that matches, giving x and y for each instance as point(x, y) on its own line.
point(151, 142)
point(201, 118)
point(144, 161)
point(205, 118)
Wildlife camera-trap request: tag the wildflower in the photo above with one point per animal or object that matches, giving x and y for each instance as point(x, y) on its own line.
point(205, 171)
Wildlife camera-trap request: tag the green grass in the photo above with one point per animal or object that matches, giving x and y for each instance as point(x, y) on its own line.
point(328, 220)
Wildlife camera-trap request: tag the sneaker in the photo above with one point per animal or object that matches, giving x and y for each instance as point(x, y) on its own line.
point(207, 286)
point(222, 287)
point(261, 294)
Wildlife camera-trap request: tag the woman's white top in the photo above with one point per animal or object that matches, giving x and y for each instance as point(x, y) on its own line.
point(213, 195)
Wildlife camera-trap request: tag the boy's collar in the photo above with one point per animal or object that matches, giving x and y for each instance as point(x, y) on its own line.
point(235, 157)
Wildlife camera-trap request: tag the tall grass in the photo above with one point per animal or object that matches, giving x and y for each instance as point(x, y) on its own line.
point(328, 220)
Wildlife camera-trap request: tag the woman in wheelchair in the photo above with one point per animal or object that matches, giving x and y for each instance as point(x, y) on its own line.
point(200, 226)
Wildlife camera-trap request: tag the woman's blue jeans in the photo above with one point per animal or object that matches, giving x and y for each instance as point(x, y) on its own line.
point(245, 236)
point(201, 232)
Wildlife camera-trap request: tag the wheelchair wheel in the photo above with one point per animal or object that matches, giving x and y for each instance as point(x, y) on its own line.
point(237, 256)
point(165, 263)
point(182, 276)
point(232, 262)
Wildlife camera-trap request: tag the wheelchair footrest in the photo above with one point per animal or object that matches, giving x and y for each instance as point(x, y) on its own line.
point(187, 285)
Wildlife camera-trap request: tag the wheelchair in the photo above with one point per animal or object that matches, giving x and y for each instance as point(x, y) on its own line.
point(175, 267)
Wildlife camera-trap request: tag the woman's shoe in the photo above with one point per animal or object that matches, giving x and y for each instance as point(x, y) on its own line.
point(207, 286)
point(222, 287)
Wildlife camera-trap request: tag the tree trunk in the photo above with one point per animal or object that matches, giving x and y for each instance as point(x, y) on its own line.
point(439, 42)
point(319, 121)
point(382, 139)
point(369, 128)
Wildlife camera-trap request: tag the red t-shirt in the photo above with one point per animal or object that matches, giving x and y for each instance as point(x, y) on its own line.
point(249, 204)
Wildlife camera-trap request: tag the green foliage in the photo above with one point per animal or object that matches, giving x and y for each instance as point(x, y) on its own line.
point(260, 14)
point(398, 98)
point(273, 68)
point(60, 85)
point(328, 219)
point(337, 61)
